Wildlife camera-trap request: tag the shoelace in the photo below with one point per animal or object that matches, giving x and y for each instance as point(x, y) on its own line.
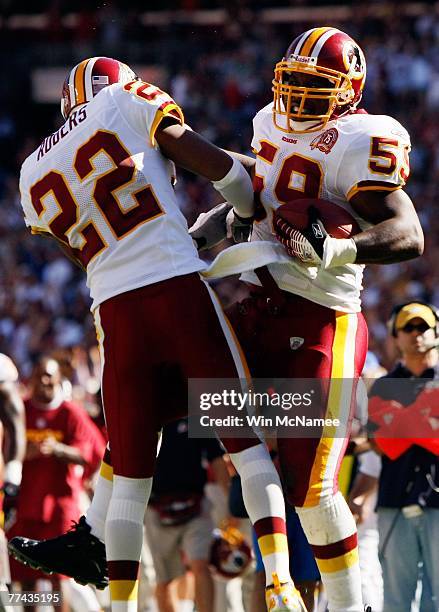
point(77, 528)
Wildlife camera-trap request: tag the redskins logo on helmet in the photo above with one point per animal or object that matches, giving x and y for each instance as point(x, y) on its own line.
point(320, 78)
point(88, 78)
point(230, 554)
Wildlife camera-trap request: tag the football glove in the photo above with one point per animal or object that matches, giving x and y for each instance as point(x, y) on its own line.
point(307, 244)
point(313, 245)
point(211, 228)
point(239, 228)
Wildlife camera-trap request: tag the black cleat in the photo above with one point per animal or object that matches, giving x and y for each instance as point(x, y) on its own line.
point(367, 609)
point(76, 553)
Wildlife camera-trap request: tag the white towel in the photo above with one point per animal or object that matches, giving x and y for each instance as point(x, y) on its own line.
point(249, 256)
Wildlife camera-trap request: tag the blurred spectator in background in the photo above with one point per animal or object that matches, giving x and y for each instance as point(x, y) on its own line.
point(406, 400)
point(61, 441)
point(362, 501)
point(178, 523)
point(362, 495)
point(5, 574)
point(13, 447)
point(14, 434)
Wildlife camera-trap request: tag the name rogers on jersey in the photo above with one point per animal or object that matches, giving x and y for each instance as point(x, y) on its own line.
point(74, 118)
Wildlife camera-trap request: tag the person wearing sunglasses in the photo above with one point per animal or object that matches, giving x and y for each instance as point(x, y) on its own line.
point(408, 485)
point(414, 327)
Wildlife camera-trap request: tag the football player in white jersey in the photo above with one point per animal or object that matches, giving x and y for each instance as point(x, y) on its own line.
point(304, 318)
point(102, 187)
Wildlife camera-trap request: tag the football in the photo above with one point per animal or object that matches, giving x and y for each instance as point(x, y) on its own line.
point(337, 221)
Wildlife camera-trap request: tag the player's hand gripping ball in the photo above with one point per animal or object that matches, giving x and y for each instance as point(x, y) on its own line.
point(303, 226)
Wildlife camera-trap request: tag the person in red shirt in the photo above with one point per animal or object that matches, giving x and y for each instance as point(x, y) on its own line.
point(61, 443)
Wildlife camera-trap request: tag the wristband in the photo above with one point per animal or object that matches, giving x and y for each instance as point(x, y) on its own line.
point(247, 220)
point(338, 252)
point(236, 187)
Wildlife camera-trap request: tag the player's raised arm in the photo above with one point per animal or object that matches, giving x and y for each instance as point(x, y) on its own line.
point(248, 162)
point(192, 152)
point(396, 234)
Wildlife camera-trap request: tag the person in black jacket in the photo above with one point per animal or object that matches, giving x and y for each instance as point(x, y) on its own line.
point(178, 523)
point(408, 495)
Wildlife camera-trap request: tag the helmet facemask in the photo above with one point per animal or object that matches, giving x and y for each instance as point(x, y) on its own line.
point(308, 94)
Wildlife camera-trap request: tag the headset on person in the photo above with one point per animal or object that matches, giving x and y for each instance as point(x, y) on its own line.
point(396, 309)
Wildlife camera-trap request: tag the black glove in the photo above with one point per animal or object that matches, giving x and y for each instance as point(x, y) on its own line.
point(239, 228)
point(307, 244)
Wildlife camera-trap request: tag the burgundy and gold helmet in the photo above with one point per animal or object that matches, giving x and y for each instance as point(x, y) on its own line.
point(230, 554)
point(320, 78)
point(87, 79)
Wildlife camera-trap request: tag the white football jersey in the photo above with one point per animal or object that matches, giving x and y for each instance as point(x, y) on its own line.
point(101, 186)
point(353, 153)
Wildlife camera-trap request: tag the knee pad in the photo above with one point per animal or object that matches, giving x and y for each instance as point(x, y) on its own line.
point(328, 522)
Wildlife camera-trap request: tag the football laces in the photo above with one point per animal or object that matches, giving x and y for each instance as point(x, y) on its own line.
point(296, 244)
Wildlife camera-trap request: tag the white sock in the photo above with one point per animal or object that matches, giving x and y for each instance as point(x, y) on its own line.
point(124, 524)
point(124, 538)
point(264, 501)
point(331, 531)
point(97, 512)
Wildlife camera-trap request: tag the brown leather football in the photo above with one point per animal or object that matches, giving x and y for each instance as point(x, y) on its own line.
point(337, 221)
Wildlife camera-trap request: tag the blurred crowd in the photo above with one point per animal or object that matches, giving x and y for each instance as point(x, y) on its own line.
point(221, 80)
